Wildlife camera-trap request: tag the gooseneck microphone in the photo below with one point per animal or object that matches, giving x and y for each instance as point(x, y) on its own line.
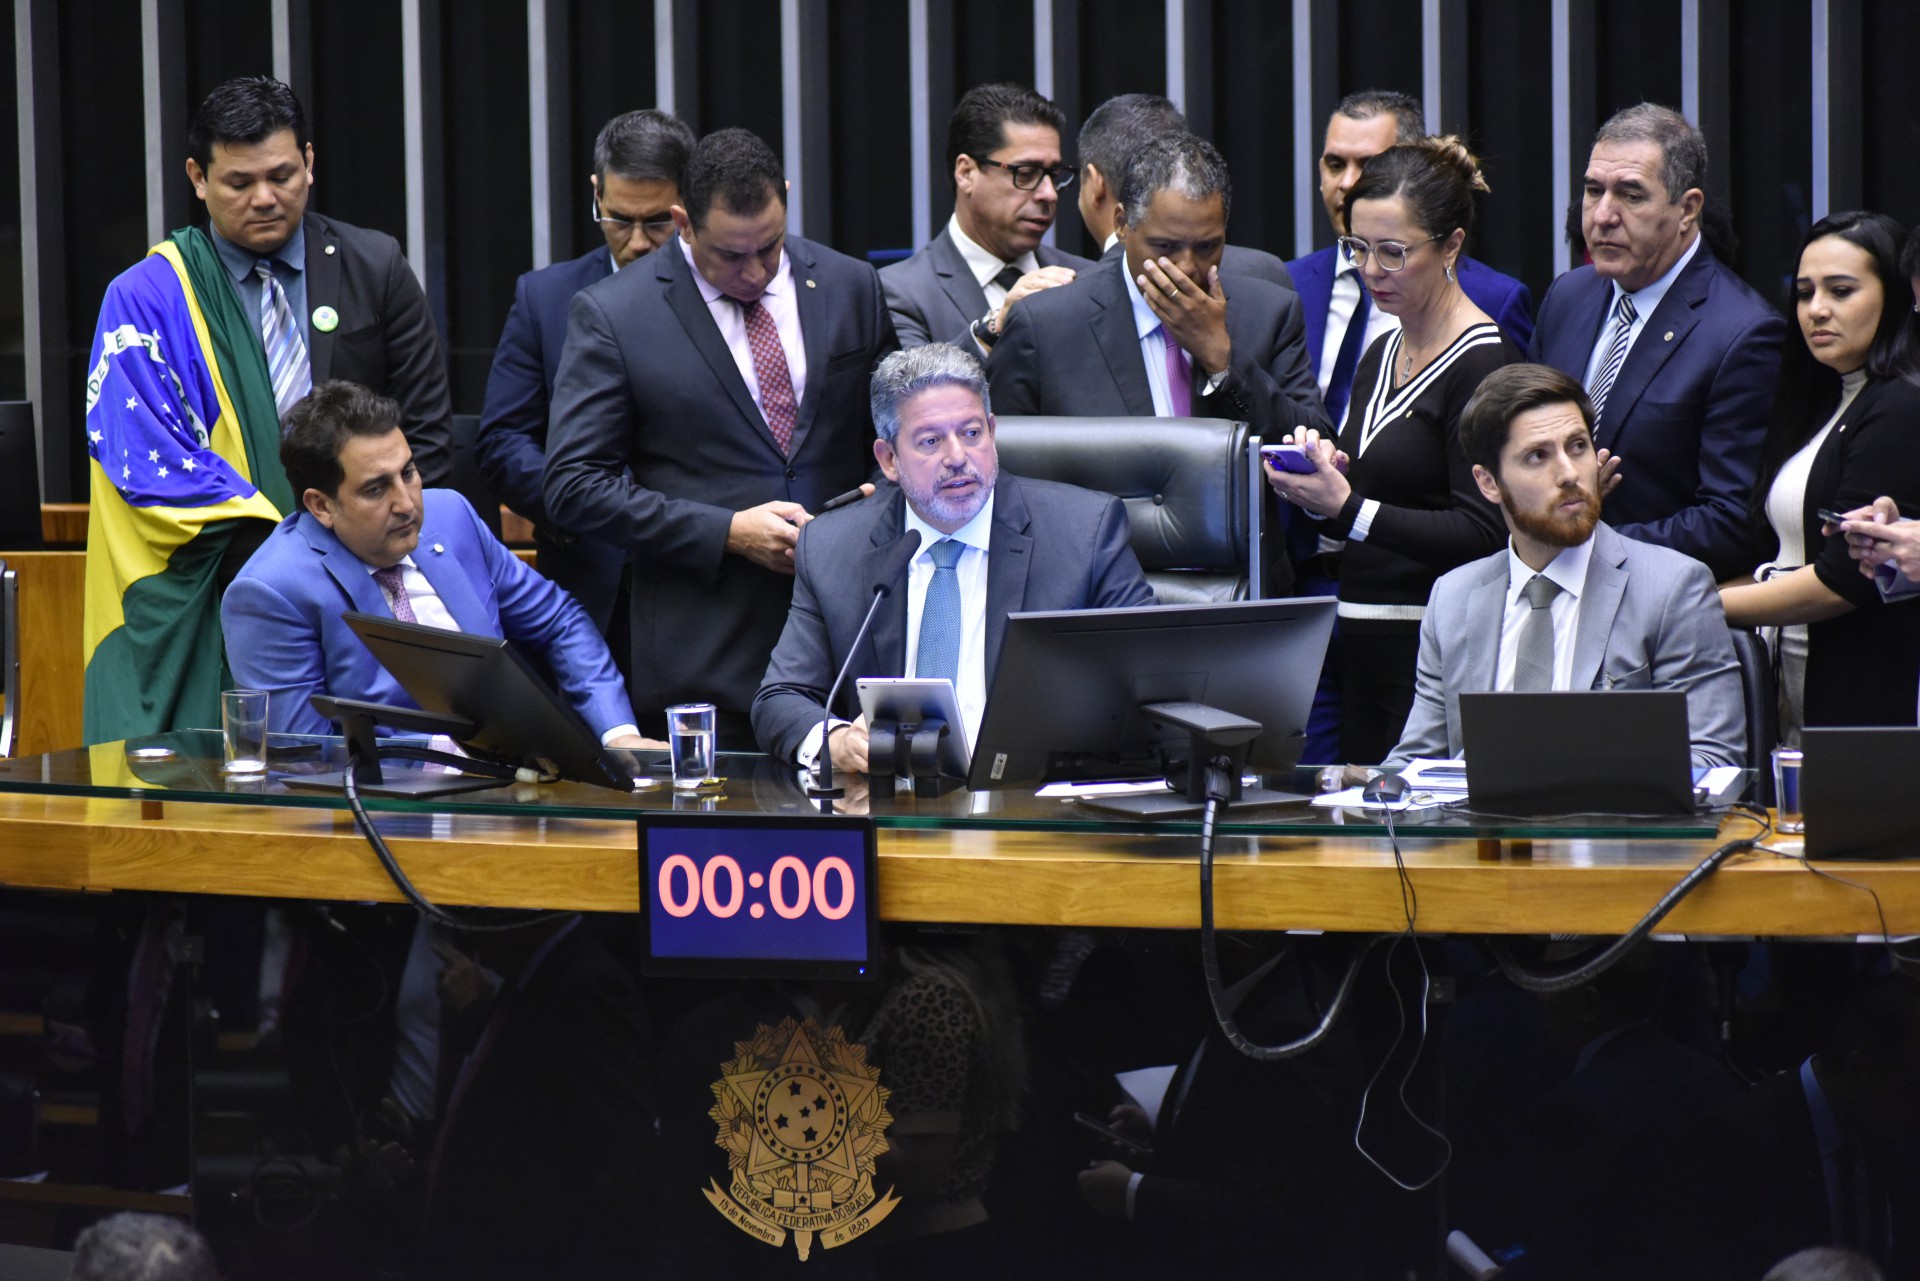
point(903, 551)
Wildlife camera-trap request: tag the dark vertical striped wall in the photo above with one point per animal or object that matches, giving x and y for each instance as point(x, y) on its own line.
point(465, 128)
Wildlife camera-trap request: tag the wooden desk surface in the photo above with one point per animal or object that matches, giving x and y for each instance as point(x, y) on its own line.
point(1016, 878)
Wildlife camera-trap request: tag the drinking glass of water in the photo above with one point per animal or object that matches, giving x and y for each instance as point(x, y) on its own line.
point(690, 738)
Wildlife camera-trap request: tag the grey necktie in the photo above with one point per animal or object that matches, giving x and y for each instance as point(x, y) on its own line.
point(1533, 654)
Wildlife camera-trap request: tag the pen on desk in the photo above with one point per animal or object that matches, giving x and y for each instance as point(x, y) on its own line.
point(834, 504)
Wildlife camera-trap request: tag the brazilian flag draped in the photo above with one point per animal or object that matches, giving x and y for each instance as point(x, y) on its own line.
point(185, 441)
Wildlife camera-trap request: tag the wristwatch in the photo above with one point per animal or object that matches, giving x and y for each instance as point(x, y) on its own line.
point(983, 331)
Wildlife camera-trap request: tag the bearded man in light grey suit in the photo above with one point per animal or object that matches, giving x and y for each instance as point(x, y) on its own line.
point(1623, 614)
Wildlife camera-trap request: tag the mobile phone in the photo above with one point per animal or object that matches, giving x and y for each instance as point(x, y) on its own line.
point(1291, 458)
point(1829, 515)
point(1111, 1135)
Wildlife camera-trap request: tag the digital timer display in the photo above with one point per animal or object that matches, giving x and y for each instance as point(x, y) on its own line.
point(727, 894)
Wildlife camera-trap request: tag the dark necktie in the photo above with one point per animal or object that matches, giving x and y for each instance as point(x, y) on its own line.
point(395, 586)
point(1603, 379)
point(1533, 653)
point(1340, 383)
point(771, 372)
point(938, 652)
point(1009, 277)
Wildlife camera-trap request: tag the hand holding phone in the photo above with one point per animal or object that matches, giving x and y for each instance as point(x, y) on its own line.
point(1126, 1146)
point(1291, 458)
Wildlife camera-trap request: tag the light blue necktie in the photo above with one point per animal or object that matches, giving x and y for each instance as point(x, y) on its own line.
point(938, 653)
point(286, 346)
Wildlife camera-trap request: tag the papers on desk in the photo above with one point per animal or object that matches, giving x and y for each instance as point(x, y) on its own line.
point(1431, 784)
point(1132, 787)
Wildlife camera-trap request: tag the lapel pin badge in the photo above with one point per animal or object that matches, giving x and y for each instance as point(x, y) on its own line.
point(810, 284)
point(438, 549)
point(1669, 335)
point(326, 319)
point(330, 251)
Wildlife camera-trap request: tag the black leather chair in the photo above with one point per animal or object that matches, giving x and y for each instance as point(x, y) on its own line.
point(1763, 707)
point(1192, 488)
point(466, 471)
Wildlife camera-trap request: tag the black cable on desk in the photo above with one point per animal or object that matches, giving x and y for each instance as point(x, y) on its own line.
point(1219, 787)
point(1547, 982)
point(432, 911)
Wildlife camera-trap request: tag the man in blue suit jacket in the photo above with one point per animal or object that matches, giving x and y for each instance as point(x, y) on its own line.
point(1362, 126)
point(638, 161)
point(352, 547)
point(1683, 390)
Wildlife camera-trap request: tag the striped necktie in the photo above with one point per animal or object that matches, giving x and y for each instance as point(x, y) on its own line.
point(1623, 317)
point(286, 346)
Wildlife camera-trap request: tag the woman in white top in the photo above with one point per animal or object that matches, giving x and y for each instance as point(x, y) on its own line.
point(1846, 428)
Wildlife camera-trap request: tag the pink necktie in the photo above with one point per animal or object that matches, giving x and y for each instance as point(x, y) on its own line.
point(770, 370)
point(396, 588)
point(1179, 377)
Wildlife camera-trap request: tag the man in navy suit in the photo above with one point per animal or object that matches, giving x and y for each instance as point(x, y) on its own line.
point(1161, 331)
point(638, 161)
point(1003, 150)
point(1679, 356)
point(369, 539)
point(1000, 543)
point(709, 402)
point(1116, 132)
point(1362, 126)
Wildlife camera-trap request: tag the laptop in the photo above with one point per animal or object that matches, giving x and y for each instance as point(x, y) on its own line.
point(1851, 792)
point(1578, 752)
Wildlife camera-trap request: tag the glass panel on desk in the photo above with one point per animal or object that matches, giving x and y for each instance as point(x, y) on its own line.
point(185, 766)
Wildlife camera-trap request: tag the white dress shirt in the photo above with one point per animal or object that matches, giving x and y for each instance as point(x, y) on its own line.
point(1153, 352)
point(1645, 302)
point(781, 304)
point(970, 687)
point(1341, 304)
point(984, 265)
point(1569, 571)
point(430, 611)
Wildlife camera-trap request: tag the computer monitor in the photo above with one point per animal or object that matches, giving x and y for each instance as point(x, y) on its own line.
point(483, 679)
point(1068, 693)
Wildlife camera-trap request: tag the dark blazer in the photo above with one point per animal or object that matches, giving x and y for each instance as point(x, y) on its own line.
point(1863, 668)
point(285, 631)
point(1235, 260)
point(1689, 408)
point(1074, 351)
point(934, 297)
point(512, 444)
point(646, 383)
point(1053, 547)
point(1507, 302)
point(385, 339)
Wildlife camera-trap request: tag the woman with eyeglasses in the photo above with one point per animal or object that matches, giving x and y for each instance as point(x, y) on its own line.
point(1396, 498)
point(1846, 428)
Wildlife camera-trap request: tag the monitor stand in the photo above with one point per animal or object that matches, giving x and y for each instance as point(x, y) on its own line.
point(406, 784)
point(1220, 739)
point(356, 720)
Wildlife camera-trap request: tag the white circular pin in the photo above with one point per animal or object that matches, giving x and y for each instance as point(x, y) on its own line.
point(438, 549)
point(326, 319)
point(329, 251)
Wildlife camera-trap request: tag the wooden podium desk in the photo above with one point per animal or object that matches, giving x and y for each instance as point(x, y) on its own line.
point(92, 820)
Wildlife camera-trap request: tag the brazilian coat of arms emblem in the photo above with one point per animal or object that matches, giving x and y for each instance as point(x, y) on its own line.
point(802, 1118)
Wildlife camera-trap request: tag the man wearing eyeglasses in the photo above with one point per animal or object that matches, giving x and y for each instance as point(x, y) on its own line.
point(638, 162)
point(1003, 150)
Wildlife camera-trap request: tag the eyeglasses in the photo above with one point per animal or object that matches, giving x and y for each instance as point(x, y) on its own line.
point(1027, 177)
point(1391, 253)
point(657, 227)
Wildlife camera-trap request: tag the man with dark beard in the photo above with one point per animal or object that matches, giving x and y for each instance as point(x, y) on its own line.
point(1569, 604)
point(989, 544)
